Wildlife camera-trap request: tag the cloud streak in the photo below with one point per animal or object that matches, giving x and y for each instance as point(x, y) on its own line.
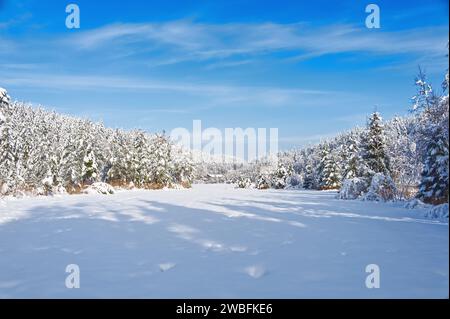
point(221, 46)
point(213, 95)
point(199, 41)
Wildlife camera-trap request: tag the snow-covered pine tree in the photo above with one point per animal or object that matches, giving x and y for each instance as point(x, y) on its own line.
point(430, 109)
point(6, 154)
point(353, 163)
point(323, 150)
point(5, 100)
point(425, 97)
point(434, 185)
point(331, 177)
point(161, 165)
point(141, 161)
point(375, 149)
point(308, 180)
point(281, 174)
point(120, 161)
point(405, 158)
point(80, 143)
point(90, 168)
point(433, 139)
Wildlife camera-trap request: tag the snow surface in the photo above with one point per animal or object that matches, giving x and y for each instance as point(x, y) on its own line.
point(219, 241)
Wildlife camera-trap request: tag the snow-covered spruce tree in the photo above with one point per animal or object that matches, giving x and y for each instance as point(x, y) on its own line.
point(434, 185)
point(90, 169)
point(381, 186)
point(353, 165)
point(141, 160)
point(430, 109)
point(331, 177)
point(308, 180)
point(6, 152)
point(160, 163)
point(13, 151)
point(89, 159)
point(81, 144)
point(323, 150)
point(425, 97)
point(5, 101)
point(375, 148)
point(120, 161)
point(280, 176)
point(433, 135)
point(404, 155)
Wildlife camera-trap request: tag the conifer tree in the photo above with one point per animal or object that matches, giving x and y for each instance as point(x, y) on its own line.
point(8, 158)
point(353, 163)
point(90, 168)
point(331, 177)
point(308, 181)
point(161, 165)
point(323, 151)
point(375, 153)
point(434, 185)
point(141, 160)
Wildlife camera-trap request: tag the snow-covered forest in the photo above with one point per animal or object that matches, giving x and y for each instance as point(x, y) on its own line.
point(44, 153)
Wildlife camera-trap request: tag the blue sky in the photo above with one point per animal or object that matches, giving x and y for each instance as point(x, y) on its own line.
point(310, 68)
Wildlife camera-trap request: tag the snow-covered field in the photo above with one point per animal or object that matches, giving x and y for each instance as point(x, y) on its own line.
point(218, 241)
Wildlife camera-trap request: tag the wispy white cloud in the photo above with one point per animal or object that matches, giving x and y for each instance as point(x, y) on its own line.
point(197, 41)
point(211, 95)
point(217, 46)
point(228, 64)
point(15, 21)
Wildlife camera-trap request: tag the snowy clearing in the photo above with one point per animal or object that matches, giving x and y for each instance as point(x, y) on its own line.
point(218, 241)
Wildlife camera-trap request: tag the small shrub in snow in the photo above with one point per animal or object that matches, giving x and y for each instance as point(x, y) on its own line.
point(263, 182)
point(48, 191)
point(99, 188)
point(352, 188)
point(382, 188)
point(438, 212)
point(244, 182)
point(280, 176)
